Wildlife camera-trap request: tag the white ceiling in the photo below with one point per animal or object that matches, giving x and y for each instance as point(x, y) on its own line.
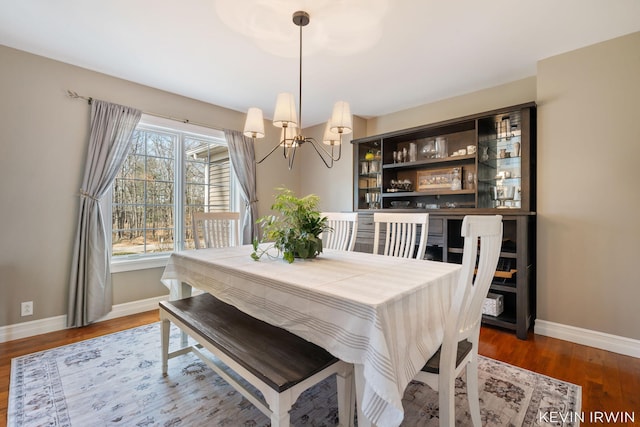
point(422, 51)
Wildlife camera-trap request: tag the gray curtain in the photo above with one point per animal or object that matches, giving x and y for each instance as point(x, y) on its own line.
point(90, 293)
point(242, 155)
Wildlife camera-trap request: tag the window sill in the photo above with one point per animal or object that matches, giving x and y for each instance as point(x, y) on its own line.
point(141, 263)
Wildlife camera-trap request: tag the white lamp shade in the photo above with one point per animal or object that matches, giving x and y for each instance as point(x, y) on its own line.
point(254, 124)
point(330, 137)
point(285, 114)
point(341, 121)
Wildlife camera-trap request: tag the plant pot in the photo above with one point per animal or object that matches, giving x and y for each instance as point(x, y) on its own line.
point(307, 248)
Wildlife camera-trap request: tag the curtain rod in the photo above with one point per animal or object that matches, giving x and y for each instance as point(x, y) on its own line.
point(74, 95)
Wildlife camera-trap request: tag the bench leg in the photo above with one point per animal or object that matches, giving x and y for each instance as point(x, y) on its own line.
point(279, 405)
point(165, 345)
point(346, 397)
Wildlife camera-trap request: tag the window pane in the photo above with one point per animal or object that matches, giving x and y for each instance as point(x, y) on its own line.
point(143, 195)
point(206, 180)
point(144, 203)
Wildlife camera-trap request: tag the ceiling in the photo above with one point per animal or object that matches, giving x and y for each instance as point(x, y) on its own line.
point(400, 54)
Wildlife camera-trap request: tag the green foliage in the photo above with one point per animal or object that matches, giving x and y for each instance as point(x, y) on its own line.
point(295, 231)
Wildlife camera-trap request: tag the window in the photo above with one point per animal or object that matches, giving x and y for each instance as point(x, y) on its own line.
point(172, 170)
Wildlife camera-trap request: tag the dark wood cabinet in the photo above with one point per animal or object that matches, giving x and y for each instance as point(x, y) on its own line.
point(477, 165)
point(485, 161)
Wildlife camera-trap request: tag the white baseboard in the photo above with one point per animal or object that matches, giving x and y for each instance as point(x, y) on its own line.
point(58, 323)
point(601, 340)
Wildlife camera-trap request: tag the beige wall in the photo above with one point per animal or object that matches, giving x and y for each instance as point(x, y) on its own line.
point(42, 152)
point(588, 195)
point(505, 95)
point(334, 186)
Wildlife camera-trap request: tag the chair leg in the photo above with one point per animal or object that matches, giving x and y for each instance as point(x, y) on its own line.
point(446, 400)
point(359, 380)
point(473, 394)
point(346, 397)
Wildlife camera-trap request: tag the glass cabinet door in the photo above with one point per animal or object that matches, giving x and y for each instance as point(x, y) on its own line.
point(500, 172)
point(369, 174)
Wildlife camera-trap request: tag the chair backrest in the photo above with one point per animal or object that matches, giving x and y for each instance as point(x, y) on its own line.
point(482, 243)
point(344, 226)
point(216, 229)
point(401, 234)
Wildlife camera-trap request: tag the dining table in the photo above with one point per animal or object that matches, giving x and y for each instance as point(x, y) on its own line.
point(383, 314)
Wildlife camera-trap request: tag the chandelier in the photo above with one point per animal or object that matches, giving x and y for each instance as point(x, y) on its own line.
point(285, 117)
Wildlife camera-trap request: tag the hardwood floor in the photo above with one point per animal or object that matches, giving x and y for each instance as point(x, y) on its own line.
point(610, 382)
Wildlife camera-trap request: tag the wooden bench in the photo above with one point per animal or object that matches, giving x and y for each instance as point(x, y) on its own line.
point(279, 364)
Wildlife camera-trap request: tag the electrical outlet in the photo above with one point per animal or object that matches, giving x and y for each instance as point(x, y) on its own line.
point(26, 308)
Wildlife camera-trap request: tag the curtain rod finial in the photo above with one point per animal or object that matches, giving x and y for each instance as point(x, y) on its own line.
point(74, 95)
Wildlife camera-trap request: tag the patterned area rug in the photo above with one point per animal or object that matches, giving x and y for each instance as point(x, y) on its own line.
point(116, 380)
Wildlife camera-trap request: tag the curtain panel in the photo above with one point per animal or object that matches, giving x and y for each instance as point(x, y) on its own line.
point(90, 291)
point(242, 155)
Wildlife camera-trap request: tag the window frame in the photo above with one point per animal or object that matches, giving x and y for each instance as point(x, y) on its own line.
point(132, 262)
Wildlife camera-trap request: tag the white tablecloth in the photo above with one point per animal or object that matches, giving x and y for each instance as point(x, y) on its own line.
point(383, 313)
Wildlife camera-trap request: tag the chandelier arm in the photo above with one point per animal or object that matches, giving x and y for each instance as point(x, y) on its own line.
point(320, 150)
point(291, 156)
point(326, 152)
point(270, 152)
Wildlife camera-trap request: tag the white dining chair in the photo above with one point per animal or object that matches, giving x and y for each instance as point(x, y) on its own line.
point(343, 230)
point(459, 349)
point(216, 229)
point(401, 234)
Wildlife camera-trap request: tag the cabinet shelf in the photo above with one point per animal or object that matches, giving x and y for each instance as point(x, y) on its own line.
point(504, 320)
point(512, 255)
point(503, 288)
point(506, 180)
point(426, 193)
point(431, 162)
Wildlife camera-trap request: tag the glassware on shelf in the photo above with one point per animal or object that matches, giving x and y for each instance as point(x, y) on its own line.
point(456, 180)
point(471, 181)
point(374, 166)
point(484, 156)
point(428, 150)
point(364, 168)
point(372, 199)
point(413, 152)
point(501, 193)
point(441, 147)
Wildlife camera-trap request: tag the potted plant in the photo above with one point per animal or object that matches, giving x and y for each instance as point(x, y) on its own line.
point(295, 232)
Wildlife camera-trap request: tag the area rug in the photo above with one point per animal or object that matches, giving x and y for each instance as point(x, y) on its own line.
point(116, 380)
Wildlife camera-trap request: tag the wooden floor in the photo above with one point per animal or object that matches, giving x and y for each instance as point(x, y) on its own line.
point(610, 382)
